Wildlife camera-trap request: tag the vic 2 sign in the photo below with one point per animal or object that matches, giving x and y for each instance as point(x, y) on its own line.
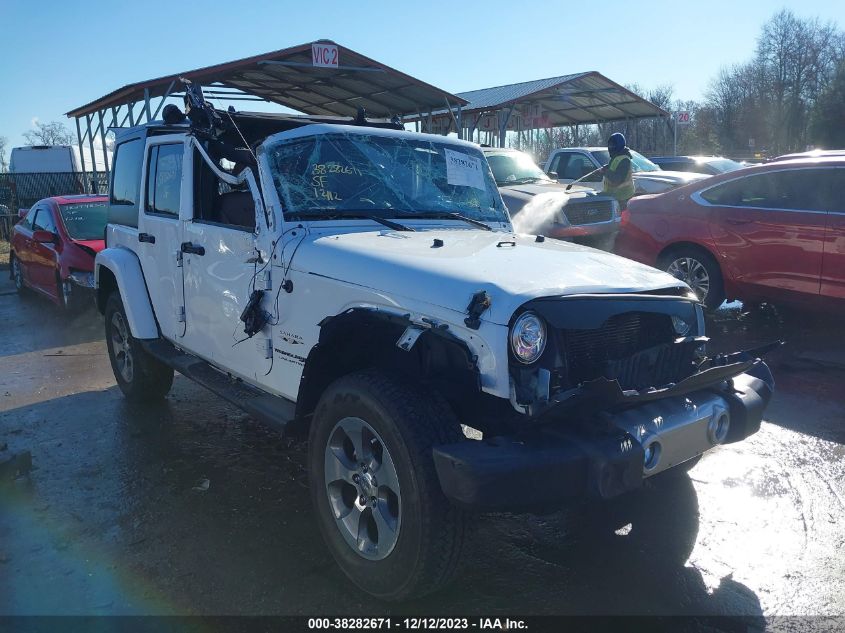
point(683, 118)
point(324, 55)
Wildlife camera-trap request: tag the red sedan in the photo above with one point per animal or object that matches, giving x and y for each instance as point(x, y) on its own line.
point(54, 245)
point(774, 232)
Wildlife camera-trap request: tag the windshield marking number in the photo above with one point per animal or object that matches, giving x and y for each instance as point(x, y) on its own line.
point(463, 170)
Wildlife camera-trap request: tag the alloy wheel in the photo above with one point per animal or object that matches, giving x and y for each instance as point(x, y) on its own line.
point(362, 486)
point(693, 273)
point(121, 347)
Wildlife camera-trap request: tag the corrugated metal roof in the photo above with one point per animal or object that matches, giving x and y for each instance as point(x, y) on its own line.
point(289, 78)
point(579, 98)
point(492, 97)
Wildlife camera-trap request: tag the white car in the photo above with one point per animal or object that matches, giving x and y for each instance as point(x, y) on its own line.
point(572, 163)
point(364, 284)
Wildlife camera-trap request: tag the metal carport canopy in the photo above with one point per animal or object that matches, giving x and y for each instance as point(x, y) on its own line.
point(289, 77)
point(577, 99)
point(296, 77)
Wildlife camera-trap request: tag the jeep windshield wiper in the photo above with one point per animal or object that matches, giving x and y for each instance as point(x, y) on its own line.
point(448, 215)
point(396, 226)
point(314, 215)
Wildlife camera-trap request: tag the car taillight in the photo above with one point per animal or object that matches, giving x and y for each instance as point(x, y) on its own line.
point(625, 216)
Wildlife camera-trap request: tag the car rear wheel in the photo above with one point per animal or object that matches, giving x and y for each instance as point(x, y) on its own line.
point(139, 376)
point(699, 271)
point(373, 484)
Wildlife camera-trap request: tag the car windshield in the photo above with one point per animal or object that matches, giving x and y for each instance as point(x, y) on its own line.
point(84, 220)
point(358, 174)
point(510, 168)
point(640, 162)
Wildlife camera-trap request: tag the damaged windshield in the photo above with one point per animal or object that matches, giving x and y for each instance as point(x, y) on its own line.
point(354, 175)
point(84, 221)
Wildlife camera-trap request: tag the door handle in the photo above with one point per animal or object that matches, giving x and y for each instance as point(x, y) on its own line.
point(193, 249)
point(146, 237)
point(738, 222)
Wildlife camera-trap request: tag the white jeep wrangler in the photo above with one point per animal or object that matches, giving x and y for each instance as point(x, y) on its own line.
point(364, 283)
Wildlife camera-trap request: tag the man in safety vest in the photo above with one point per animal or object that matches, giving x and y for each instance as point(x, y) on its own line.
point(618, 178)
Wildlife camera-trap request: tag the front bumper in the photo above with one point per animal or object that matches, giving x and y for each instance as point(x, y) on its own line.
point(552, 463)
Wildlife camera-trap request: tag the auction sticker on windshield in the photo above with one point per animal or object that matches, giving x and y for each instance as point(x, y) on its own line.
point(463, 170)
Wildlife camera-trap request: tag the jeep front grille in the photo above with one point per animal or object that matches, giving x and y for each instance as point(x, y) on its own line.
point(589, 211)
point(635, 348)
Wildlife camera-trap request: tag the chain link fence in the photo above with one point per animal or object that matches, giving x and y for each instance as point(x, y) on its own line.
point(21, 191)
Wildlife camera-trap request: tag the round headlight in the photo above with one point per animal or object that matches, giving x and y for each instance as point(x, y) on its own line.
point(528, 337)
point(681, 326)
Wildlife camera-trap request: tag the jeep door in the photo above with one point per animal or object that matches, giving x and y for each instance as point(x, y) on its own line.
point(160, 231)
point(221, 268)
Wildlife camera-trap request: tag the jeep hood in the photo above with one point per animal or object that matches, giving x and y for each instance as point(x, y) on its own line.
point(512, 269)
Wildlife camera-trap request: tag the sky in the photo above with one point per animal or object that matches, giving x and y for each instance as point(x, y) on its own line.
point(57, 55)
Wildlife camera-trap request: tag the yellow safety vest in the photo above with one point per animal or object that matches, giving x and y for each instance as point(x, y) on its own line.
point(624, 191)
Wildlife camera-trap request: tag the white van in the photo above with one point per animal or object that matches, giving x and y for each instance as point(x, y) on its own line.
point(51, 159)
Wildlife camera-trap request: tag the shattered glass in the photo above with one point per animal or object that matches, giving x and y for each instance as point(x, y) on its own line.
point(350, 174)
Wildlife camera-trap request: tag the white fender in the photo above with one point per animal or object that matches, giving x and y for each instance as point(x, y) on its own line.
point(126, 268)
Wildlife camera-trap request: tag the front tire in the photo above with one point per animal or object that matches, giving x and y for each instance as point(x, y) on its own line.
point(67, 295)
point(374, 487)
point(699, 270)
point(17, 275)
point(139, 376)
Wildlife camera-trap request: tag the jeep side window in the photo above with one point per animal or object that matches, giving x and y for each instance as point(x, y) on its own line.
point(126, 179)
point(218, 202)
point(164, 179)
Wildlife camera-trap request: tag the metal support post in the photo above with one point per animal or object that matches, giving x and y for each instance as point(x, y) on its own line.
point(103, 143)
point(90, 135)
point(81, 152)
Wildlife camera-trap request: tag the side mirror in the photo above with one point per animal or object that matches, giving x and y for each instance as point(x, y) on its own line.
point(45, 237)
point(22, 213)
point(552, 174)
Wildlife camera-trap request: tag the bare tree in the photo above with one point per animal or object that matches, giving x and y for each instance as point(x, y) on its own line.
point(797, 59)
point(52, 133)
point(4, 166)
point(829, 113)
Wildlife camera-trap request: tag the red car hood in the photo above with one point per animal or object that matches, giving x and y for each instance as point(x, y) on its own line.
point(94, 245)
